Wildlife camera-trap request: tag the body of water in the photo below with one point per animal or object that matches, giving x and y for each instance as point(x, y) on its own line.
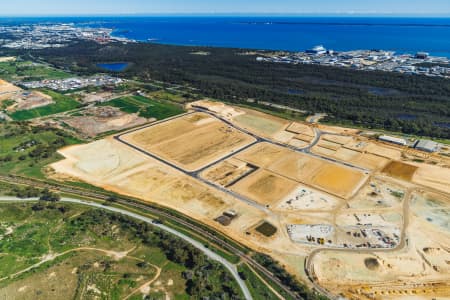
point(114, 67)
point(404, 35)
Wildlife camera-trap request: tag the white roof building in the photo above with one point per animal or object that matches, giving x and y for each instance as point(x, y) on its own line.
point(427, 145)
point(391, 139)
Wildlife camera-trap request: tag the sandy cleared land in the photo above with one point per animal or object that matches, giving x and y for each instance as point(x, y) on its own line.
point(219, 108)
point(331, 178)
point(383, 150)
point(298, 166)
point(353, 151)
point(400, 170)
point(97, 120)
point(7, 58)
point(264, 187)
point(30, 100)
point(263, 154)
point(299, 128)
point(371, 162)
point(190, 141)
point(339, 181)
point(329, 145)
point(300, 189)
point(378, 194)
point(305, 198)
point(114, 166)
point(263, 124)
point(363, 160)
point(432, 176)
point(338, 139)
point(7, 90)
point(225, 172)
point(420, 270)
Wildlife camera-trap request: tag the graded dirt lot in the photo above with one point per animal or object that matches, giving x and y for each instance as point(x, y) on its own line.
point(263, 124)
point(432, 176)
point(228, 171)
point(264, 187)
point(7, 90)
point(219, 108)
point(263, 154)
point(111, 165)
point(331, 178)
point(400, 170)
point(337, 180)
point(30, 100)
point(354, 151)
point(97, 120)
point(419, 271)
point(367, 209)
point(191, 141)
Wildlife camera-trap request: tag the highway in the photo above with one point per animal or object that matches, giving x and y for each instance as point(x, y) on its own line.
point(208, 235)
point(210, 254)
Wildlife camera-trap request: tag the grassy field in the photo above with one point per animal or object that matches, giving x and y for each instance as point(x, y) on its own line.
point(95, 254)
point(29, 71)
point(257, 287)
point(146, 107)
point(62, 103)
point(169, 96)
point(25, 150)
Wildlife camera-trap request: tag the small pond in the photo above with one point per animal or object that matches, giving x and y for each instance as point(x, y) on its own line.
point(114, 67)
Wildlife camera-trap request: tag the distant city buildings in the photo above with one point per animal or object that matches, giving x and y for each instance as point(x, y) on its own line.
point(73, 83)
point(370, 60)
point(41, 36)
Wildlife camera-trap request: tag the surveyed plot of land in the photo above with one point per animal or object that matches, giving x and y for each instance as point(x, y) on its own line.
point(227, 172)
point(332, 178)
point(359, 153)
point(261, 123)
point(265, 187)
point(191, 141)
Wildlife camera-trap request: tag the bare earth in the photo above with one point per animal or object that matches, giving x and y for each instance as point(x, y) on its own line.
point(371, 221)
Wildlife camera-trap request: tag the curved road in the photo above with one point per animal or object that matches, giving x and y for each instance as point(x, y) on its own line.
point(309, 266)
point(210, 254)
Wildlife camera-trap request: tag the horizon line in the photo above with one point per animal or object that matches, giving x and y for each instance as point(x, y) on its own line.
point(235, 14)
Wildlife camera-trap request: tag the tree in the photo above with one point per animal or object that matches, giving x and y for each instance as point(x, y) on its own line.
point(47, 195)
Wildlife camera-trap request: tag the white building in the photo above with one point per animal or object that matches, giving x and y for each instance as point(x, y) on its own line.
point(427, 145)
point(391, 139)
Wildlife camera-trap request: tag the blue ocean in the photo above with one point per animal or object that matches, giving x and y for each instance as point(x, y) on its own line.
point(404, 35)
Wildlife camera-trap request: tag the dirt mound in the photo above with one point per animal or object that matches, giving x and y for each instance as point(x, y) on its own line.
point(372, 263)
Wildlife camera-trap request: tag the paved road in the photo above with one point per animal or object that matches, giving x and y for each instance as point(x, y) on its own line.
point(257, 139)
point(212, 255)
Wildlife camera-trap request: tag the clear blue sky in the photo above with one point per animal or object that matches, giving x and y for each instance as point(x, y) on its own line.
point(112, 7)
